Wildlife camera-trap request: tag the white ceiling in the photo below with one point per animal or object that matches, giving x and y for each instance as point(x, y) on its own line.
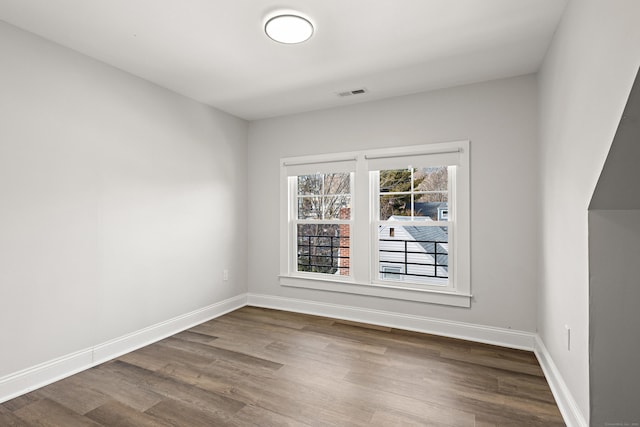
point(215, 51)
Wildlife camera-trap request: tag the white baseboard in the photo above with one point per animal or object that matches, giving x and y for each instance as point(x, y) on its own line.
point(568, 406)
point(21, 382)
point(18, 383)
point(484, 334)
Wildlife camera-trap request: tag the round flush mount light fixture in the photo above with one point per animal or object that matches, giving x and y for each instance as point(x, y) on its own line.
point(288, 28)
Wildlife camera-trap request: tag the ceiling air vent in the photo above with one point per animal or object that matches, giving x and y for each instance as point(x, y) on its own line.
point(352, 92)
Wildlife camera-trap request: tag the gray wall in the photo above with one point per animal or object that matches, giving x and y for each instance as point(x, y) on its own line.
point(500, 119)
point(618, 185)
point(120, 202)
point(614, 262)
point(584, 84)
point(614, 273)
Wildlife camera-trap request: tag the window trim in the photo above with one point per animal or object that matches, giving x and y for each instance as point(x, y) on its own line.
point(361, 280)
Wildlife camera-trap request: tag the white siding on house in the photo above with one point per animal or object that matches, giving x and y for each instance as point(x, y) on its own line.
point(396, 259)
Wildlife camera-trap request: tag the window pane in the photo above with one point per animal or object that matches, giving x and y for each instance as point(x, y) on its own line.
point(324, 248)
point(337, 207)
point(435, 197)
point(394, 181)
point(337, 183)
point(430, 190)
point(430, 209)
point(310, 208)
point(414, 254)
point(310, 184)
point(324, 196)
point(397, 206)
point(432, 179)
point(433, 204)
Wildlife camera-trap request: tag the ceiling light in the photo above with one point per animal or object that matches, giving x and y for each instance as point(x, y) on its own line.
point(289, 29)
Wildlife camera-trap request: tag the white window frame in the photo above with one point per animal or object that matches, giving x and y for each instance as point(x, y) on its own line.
point(293, 233)
point(362, 279)
point(435, 285)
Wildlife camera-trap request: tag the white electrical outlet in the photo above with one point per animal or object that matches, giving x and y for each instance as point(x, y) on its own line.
point(225, 274)
point(568, 329)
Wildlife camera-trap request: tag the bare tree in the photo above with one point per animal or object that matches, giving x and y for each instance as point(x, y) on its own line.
point(435, 182)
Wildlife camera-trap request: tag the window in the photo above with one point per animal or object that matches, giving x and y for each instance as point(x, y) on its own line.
point(391, 272)
point(391, 223)
point(412, 236)
point(322, 223)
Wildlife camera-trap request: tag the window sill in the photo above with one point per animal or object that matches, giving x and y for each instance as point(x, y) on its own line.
point(378, 290)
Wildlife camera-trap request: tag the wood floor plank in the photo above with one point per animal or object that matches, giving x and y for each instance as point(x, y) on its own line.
point(261, 367)
point(326, 355)
point(493, 360)
point(19, 402)
point(527, 386)
point(195, 337)
point(289, 356)
point(367, 398)
point(167, 354)
point(362, 325)
point(9, 419)
point(147, 361)
point(212, 353)
point(262, 334)
point(76, 393)
point(122, 388)
point(287, 398)
point(47, 413)
point(173, 388)
point(385, 419)
point(118, 414)
point(279, 318)
point(177, 413)
point(257, 416)
point(372, 337)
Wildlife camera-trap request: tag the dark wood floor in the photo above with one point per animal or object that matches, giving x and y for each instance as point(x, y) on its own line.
point(258, 367)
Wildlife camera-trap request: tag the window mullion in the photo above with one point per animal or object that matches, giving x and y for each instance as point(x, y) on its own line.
point(360, 252)
point(412, 192)
point(291, 223)
point(322, 199)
